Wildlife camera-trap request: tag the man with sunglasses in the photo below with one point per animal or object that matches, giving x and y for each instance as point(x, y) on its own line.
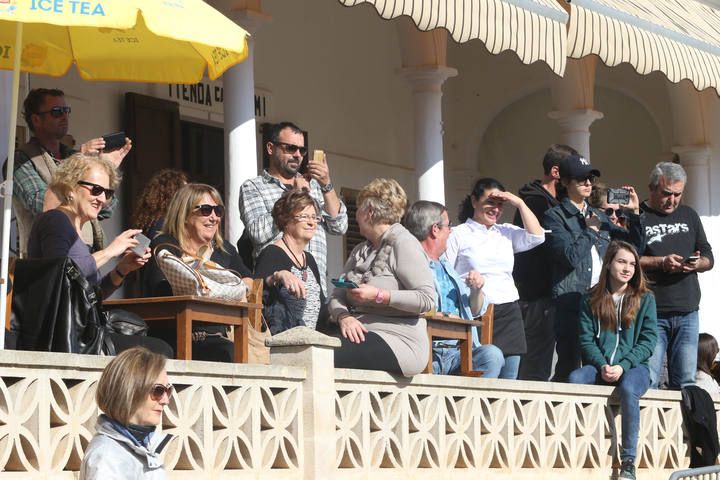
point(676, 249)
point(578, 236)
point(48, 117)
point(286, 151)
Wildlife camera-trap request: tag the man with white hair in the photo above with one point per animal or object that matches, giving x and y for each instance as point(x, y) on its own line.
point(676, 249)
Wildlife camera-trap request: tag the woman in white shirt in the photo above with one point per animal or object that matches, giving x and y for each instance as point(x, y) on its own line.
point(482, 244)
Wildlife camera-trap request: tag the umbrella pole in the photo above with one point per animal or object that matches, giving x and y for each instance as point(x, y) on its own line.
point(7, 191)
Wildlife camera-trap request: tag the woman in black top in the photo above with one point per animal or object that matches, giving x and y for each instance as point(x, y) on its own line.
point(193, 225)
point(293, 295)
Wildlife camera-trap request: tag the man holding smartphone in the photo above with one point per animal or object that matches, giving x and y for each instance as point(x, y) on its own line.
point(48, 117)
point(676, 249)
point(286, 151)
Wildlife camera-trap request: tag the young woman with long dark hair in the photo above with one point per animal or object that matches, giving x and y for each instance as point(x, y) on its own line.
point(617, 335)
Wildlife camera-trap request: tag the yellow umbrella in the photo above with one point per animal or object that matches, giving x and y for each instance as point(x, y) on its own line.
point(155, 41)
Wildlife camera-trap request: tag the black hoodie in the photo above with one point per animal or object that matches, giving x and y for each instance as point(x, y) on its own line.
point(533, 269)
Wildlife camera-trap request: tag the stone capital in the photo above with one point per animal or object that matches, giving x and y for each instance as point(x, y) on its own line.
point(693, 155)
point(575, 120)
point(427, 78)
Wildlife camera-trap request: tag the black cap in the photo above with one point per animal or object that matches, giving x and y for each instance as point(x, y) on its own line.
point(575, 166)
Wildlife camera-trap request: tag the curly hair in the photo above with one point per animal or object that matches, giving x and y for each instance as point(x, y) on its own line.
point(126, 382)
point(156, 196)
point(290, 204)
point(66, 177)
point(385, 199)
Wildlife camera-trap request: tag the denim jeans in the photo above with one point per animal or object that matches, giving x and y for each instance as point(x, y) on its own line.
point(486, 358)
point(678, 337)
point(632, 385)
point(511, 367)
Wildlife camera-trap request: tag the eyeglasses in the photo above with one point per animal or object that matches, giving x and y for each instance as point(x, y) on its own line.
point(292, 148)
point(308, 218)
point(158, 390)
point(443, 225)
point(587, 178)
point(56, 112)
point(205, 210)
point(97, 190)
point(619, 213)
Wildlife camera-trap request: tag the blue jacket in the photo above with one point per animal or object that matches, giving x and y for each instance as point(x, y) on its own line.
point(570, 242)
point(464, 307)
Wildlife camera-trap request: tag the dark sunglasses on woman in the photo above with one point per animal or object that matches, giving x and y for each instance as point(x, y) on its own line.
point(158, 390)
point(205, 210)
point(97, 190)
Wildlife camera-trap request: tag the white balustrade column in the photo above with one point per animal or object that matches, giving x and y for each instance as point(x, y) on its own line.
point(575, 128)
point(695, 160)
point(241, 161)
point(426, 83)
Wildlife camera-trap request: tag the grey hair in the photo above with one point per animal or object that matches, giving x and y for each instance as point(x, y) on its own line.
point(421, 216)
point(671, 172)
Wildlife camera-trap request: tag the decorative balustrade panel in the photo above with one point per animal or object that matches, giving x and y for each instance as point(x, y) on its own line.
point(228, 420)
point(480, 428)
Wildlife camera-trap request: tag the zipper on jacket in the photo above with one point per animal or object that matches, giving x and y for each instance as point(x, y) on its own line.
point(618, 328)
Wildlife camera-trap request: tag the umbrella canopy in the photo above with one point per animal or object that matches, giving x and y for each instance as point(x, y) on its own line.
point(163, 41)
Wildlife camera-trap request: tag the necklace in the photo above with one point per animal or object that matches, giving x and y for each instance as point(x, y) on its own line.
point(301, 265)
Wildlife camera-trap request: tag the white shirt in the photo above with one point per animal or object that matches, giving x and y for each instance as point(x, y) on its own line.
point(490, 251)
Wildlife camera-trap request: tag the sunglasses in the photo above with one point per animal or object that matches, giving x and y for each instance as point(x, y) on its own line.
point(205, 210)
point(97, 190)
point(158, 390)
point(56, 112)
point(291, 148)
point(619, 213)
point(586, 178)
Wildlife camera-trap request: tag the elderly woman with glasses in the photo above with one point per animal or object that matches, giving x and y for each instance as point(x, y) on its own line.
point(388, 287)
point(293, 295)
point(132, 392)
point(578, 236)
point(192, 226)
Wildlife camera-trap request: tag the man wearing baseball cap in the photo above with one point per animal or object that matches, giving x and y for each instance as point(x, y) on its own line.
point(578, 236)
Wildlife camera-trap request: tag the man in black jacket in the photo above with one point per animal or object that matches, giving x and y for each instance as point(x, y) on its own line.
point(533, 271)
point(676, 249)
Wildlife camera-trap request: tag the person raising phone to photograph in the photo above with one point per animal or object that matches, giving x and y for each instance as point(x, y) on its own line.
point(286, 152)
point(578, 236)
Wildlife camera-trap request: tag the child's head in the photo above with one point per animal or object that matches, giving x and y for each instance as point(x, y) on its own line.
point(707, 351)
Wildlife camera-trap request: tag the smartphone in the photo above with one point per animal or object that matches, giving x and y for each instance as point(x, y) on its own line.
point(143, 243)
point(619, 196)
point(318, 156)
point(691, 259)
point(113, 141)
point(342, 283)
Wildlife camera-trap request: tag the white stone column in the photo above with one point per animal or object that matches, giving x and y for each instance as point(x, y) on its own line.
point(241, 161)
point(695, 160)
point(575, 128)
point(426, 83)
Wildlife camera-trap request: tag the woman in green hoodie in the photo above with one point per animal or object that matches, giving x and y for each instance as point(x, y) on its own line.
point(617, 335)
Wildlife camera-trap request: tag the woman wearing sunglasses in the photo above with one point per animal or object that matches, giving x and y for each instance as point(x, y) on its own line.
point(193, 223)
point(84, 184)
point(132, 392)
point(292, 296)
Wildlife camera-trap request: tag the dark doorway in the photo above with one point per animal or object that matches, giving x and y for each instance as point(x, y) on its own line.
point(203, 154)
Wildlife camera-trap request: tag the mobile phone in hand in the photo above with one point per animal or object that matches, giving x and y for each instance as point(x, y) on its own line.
point(691, 259)
point(618, 196)
point(143, 243)
point(113, 141)
point(342, 283)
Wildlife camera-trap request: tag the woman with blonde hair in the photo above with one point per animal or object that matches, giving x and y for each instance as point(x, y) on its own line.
point(132, 392)
point(381, 323)
point(193, 226)
point(617, 335)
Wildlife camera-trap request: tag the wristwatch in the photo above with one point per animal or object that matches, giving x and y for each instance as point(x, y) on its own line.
point(326, 188)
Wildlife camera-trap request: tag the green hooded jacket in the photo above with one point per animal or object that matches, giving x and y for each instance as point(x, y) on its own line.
point(627, 347)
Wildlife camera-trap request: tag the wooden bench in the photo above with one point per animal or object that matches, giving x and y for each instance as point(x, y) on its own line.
point(455, 328)
point(186, 309)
